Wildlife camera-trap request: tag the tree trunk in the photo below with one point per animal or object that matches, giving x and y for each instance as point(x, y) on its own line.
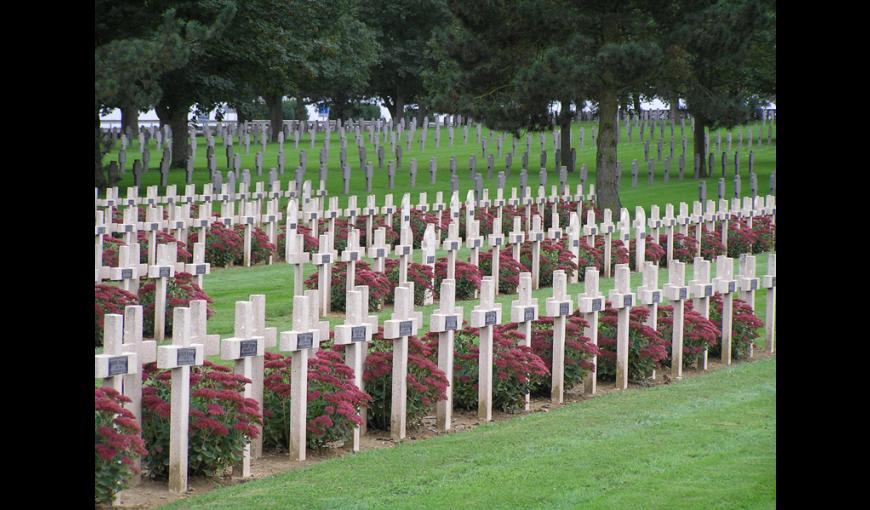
point(130, 118)
point(99, 176)
point(241, 116)
point(675, 109)
point(301, 112)
point(276, 114)
point(565, 130)
point(606, 178)
point(700, 123)
point(420, 115)
point(176, 116)
point(399, 108)
point(637, 103)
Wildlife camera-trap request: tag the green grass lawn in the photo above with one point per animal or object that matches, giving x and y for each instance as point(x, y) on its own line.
point(705, 442)
point(644, 195)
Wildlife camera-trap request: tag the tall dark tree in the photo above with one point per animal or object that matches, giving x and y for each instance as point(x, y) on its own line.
point(516, 59)
point(403, 29)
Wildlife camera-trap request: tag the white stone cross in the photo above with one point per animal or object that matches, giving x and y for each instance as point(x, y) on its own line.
point(270, 220)
point(700, 289)
point(723, 215)
point(747, 284)
point(100, 230)
point(484, 316)
point(639, 238)
point(622, 299)
point(555, 231)
point(447, 319)
point(379, 249)
point(496, 240)
point(669, 221)
point(607, 228)
point(248, 351)
point(228, 214)
point(536, 235)
point(130, 225)
point(649, 294)
point(423, 203)
point(402, 325)
point(725, 285)
point(370, 211)
point(525, 311)
point(452, 244)
point(677, 293)
point(683, 219)
point(697, 219)
point(116, 361)
point(559, 307)
point(574, 242)
point(654, 222)
point(179, 357)
point(323, 259)
point(388, 208)
point(199, 267)
point(428, 246)
point(405, 250)
point(589, 303)
point(710, 215)
point(768, 282)
point(128, 267)
point(270, 335)
point(351, 254)
point(517, 237)
point(302, 338)
point(473, 240)
point(296, 256)
point(355, 332)
point(162, 271)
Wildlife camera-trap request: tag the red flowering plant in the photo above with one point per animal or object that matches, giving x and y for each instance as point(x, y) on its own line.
point(222, 420)
point(685, 248)
point(554, 256)
point(391, 236)
point(618, 253)
point(646, 348)
point(379, 285)
point(223, 245)
point(508, 270)
point(699, 333)
point(419, 221)
point(333, 400)
point(421, 274)
point(467, 276)
point(427, 383)
point(587, 256)
point(109, 299)
point(117, 444)
point(311, 243)
point(765, 234)
point(261, 248)
point(744, 326)
point(741, 238)
point(507, 218)
point(512, 367)
point(180, 291)
point(111, 249)
point(142, 213)
point(143, 237)
point(579, 350)
point(653, 252)
point(711, 244)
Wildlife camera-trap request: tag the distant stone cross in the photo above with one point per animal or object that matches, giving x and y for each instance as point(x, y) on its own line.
point(446, 320)
point(622, 299)
point(484, 316)
point(299, 341)
point(351, 254)
point(323, 259)
point(677, 293)
point(452, 244)
point(428, 246)
point(379, 249)
point(400, 327)
point(496, 240)
point(179, 357)
point(536, 235)
point(559, 307)
point(607, 228)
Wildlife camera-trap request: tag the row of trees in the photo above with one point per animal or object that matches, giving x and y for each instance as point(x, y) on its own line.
point(503, 63)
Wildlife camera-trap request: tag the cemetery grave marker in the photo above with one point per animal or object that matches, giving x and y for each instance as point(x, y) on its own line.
point(589, 303)
point(677, 292)
point(484, 316)
point(701, 290)
point(402, 325)
point(525, 311)
point(768, 282)
point(558, 307)
point(354, 333)
point(447, 319)
point(725, 285)
point(162, 271)
point(621, 299)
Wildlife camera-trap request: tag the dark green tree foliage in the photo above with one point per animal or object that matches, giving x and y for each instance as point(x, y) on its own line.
point(403, 30)
point(710, 59)
point(517, 57)
point(134, 43)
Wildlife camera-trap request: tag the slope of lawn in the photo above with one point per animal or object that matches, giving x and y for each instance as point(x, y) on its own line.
point(704, 442)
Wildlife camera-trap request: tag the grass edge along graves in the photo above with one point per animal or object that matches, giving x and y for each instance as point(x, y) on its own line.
point(708, 438)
